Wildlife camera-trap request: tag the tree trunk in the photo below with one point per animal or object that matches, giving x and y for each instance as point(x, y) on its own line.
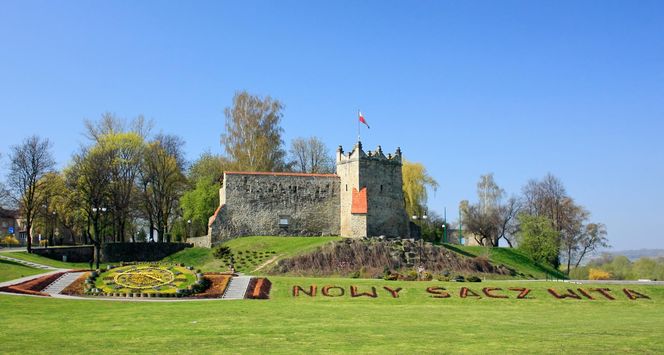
point(151, 230)
point(569, 259)
point(97, 255)
point(28, 229)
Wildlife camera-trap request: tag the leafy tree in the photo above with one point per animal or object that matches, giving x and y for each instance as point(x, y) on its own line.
point(491, 219)
point(576, 237)
point(29, 162)
point(202, 198)
point(252, 137)
point(310, 155)
point(537, 238)
point(416, 180)
point(90, 176)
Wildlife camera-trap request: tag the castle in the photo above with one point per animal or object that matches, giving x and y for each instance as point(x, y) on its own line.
point(363, 199)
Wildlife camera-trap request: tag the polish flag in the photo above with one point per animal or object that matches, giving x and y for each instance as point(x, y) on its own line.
point(362, 119)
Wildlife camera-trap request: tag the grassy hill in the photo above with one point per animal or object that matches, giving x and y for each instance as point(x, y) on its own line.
point(250, 253)
point(414, 322)
point(10, 270)
point(24, 255)
point(512, 258)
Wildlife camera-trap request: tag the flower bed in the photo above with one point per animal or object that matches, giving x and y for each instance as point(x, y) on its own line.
point(76, 287)
point(218, 284)
point(259, 288)
point(146, 280)
point(34, 286)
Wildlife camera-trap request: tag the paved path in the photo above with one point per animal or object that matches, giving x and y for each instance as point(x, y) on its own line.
point(237, 288)
point(28, 263)
point(61, 283)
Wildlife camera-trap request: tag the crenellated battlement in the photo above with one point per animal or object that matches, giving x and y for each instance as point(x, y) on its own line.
point(357, 153)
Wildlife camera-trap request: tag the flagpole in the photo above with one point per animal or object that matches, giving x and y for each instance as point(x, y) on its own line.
point(358, 124)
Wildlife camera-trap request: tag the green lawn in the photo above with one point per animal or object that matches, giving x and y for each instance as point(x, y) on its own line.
point(513, 258)
point(412, 323)
point(10, 270)
point(24, 255)
point(250, 252)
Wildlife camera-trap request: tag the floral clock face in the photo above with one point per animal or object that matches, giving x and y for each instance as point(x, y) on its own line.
point(144, 277)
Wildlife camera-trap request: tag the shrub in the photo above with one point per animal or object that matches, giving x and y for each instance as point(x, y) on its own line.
point(443, 277)
point(598, 274)
point(355, 275)
point(9, 240)
point(474, 279)
point(221, 252)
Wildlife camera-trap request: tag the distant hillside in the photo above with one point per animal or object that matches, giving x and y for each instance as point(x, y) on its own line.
point(641, 253)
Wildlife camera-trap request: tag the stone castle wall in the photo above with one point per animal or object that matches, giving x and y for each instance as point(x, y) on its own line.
point(260, 203)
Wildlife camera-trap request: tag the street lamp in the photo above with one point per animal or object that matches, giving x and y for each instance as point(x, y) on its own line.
point(422, 218)
point(101, 210)
point(189, 228)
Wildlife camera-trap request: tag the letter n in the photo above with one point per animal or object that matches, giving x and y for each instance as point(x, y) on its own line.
point(298, 289)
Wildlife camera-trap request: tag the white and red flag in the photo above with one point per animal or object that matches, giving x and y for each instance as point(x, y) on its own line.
point(362, 119)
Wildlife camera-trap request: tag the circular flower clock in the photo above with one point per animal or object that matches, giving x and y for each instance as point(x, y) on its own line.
point(148, 278)
point(144, 277)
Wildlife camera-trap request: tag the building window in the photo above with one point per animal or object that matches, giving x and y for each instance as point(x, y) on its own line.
point(283, 221)
point(346, 187)
point(381, 188)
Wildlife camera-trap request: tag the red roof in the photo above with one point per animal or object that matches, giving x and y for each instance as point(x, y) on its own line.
point(278, 174)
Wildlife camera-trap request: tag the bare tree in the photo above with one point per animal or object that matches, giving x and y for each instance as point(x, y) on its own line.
point(594, 238)
point(310, 155)
point(29, 162)
point(491, 220)
point(252, 137)
point(162, 182)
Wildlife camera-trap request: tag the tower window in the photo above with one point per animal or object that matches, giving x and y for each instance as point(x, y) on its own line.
point(346, 187)
point(381, 188)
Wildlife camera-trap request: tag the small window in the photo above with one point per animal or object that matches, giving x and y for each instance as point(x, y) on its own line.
point(283, 221)
point(381, 188)
point(346, 187)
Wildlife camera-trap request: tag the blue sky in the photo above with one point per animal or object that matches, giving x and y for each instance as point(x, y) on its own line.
point(517, 88)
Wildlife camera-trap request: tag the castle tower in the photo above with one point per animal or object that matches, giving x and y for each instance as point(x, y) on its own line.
point(371, 194)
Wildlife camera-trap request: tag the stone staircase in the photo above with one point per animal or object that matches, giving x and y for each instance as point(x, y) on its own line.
point(237, 288)
point(61, 283)
point(27, 263)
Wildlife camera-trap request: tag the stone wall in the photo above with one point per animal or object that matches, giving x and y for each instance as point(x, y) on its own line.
point(276, 204)
point(200, 242)
point(113, 252)
point(75, 254)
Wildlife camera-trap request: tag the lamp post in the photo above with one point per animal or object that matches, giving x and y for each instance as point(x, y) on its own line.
point(423, 219)
point(51, 240)
point(188, 229)
point(102, 211)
